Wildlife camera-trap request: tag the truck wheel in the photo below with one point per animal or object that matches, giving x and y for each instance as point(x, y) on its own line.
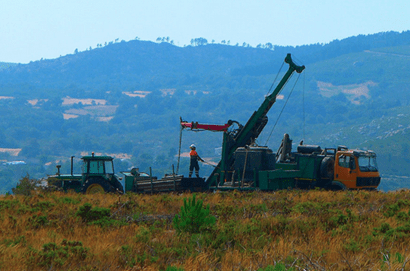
point(338, 186)
point(94, 186)
point(327, 168)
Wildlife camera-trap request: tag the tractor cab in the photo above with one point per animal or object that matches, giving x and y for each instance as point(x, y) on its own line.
point(97, 166)
point(98, 175)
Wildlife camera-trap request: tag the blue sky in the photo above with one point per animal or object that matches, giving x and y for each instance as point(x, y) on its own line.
point(31, 30)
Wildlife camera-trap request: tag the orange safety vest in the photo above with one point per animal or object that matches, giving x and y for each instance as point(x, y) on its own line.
point(193, 153)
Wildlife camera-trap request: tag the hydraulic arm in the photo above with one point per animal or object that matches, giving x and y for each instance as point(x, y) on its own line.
point(195, 126)
point(247, 134)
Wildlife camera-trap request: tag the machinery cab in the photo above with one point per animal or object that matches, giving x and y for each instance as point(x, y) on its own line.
point(356, 169)
point(98, 175)
point(97, 166)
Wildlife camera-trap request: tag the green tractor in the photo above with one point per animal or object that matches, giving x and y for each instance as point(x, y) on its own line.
point(97, 177)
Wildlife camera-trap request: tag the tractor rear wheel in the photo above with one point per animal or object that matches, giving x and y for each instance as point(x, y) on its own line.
point(96, 185)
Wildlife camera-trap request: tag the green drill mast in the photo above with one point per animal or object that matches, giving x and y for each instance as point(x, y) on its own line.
point(247, 134)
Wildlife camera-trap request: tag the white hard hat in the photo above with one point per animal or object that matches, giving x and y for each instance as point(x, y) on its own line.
point(192, 146)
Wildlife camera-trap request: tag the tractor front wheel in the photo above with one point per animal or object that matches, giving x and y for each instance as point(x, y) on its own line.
point(94, 186)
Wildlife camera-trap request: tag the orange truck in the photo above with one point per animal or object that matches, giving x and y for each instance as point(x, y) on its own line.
point(355, 169)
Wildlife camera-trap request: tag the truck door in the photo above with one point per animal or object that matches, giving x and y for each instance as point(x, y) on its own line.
point(346, 170)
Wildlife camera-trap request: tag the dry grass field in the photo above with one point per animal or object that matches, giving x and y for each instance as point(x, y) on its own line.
point(284, 230)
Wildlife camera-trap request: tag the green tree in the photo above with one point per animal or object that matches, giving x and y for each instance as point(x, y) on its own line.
point(26, 186)
point(193, 218)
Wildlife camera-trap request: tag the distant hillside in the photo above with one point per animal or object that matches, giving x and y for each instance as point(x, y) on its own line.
point(6, 65)
point(126, 99)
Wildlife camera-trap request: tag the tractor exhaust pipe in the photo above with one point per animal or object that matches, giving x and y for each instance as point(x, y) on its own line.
point(72, 158)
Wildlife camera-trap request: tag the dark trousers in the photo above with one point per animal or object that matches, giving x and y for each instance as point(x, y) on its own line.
point(194, 165)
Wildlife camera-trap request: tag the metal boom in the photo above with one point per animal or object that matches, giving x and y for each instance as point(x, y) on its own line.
point(248, 133)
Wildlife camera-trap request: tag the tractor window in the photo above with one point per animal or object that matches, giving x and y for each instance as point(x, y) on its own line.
point(84, 167)
point(109, 169)
point(96, 167)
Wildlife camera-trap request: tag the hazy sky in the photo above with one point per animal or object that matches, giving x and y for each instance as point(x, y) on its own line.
point(31, 30)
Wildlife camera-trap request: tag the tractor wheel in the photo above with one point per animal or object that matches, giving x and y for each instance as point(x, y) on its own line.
point(95, 185)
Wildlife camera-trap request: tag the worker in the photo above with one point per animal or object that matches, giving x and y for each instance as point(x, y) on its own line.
point(194, 161)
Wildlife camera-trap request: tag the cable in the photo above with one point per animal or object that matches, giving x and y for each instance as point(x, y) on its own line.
point(179, 150)
point(283, 108)
point(303, 105)
point(273, 83)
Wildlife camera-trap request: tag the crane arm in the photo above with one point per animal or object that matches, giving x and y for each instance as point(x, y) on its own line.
point(257, 121)
point(252, 129)
point(208, 127)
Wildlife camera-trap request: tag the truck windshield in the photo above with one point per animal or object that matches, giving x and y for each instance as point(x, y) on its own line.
point(367, 163)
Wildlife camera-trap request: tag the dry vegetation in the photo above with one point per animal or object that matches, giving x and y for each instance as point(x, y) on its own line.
point(285, 230)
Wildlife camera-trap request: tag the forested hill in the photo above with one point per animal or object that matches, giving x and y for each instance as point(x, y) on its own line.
point(149, 65)
point(125, 99)
point(136, 64)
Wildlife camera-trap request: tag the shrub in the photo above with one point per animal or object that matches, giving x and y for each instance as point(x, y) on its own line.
point(99, 216)
point(37, 221)
point(392, 210)
point(26, 186)
point(173, 268)
point(193, 217)
point(88, 213)
point(56, 255)
point(277, 267)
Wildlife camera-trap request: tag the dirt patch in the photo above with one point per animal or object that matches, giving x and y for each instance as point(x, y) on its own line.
point(94, 110)
point(168, 91)
point(71, 101)
point(12, 152)
point(35, 101)
point(183, 154)
point(355, 93)
point(137, 93)
point(69, 116)
point(5, 97)
point(104, 119)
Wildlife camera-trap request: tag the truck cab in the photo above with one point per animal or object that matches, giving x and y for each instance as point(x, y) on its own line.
point(356, 169)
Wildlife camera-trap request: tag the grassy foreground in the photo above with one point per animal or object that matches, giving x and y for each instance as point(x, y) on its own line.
point(285, 230)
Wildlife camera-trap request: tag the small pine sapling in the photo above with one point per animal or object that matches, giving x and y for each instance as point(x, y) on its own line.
point(193, 218)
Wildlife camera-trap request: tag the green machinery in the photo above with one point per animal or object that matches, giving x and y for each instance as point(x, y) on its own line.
point(97, 176)
point(246, 166)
